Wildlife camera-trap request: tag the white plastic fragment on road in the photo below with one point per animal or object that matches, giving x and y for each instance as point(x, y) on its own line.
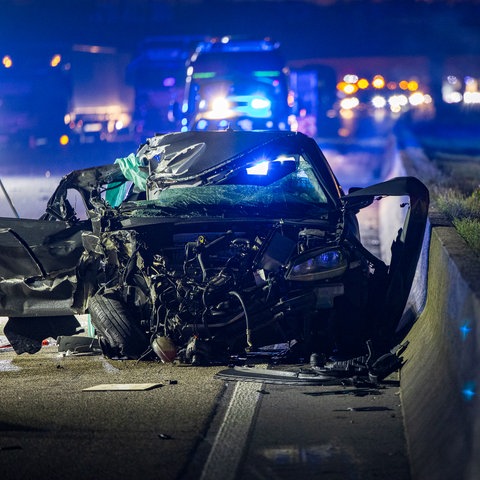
point(7, 366)
point(111, 387)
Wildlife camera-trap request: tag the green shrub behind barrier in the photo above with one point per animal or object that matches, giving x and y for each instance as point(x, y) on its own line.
point(464, 212)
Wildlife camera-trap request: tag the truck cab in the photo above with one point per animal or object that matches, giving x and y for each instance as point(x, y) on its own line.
point(242, 84)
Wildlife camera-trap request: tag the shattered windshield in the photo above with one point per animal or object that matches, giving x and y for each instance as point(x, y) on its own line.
point(285, 186)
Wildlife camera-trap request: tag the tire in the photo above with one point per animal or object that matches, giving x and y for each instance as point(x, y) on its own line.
point(119, 335)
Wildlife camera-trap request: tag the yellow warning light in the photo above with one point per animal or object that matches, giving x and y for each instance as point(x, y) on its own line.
point(363, 83)
point(341, 86)
point(64, 140)
point(412, 85)
point(7, 61)
point(403, 85)
point(55, 61)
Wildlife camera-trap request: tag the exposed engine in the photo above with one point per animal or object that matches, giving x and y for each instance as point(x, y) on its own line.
point(206, 297)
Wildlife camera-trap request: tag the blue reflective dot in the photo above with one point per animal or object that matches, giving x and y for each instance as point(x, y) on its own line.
point(468, 391)
point(465, 330)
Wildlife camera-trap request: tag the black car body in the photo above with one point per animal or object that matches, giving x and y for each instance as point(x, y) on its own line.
point(208, 245)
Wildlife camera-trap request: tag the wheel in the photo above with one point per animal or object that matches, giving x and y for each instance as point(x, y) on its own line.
point(118, 334)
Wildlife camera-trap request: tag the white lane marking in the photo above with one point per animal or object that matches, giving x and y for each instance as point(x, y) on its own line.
point(229, 444)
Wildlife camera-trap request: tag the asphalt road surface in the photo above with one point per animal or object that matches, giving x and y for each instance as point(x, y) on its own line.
point(190, 425)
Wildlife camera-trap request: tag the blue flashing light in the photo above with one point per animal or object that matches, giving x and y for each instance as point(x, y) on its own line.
point(259, 103)
point(202, 124)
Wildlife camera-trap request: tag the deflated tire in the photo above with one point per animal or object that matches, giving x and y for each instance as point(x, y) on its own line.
point(118, 333)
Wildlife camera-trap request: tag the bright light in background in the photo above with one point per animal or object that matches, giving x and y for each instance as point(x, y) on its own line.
point(55, 60)
point(469, 81)
point(452, 79)
point(397, 101)
point(378, 81)
point(412, 85)
point(416, 99)
point(64, 140)
point(346, 114)
point(349, 103)
point(350, 88)
point(379, 101)
point(403, 85)
point(363, 83)
point(202, 124)
point(7, 61)
point(452, 97)
point(350, 78)
point(291, 98)
point(220, 107)
point(471, 97)
point(259, 103)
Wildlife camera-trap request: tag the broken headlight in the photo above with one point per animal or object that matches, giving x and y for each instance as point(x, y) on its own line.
point(318, 264)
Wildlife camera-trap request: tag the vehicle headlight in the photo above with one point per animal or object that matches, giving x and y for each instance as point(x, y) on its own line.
point(317, 264)
point(259, 103)
point(220, 105)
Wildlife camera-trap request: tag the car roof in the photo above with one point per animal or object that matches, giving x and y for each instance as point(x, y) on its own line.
point(189, 154)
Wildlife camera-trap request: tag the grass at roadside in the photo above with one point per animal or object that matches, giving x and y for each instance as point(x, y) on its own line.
point(458, 195)
point(453, 178)
point(464, 212)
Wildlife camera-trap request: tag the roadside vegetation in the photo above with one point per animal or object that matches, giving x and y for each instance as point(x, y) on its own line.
point(452, 175)
point(464, 212)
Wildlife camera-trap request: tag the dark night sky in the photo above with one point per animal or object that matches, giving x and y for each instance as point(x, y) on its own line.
point(325, 28)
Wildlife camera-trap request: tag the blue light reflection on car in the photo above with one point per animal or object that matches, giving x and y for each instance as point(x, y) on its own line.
point(259, 169)
point(325, 260)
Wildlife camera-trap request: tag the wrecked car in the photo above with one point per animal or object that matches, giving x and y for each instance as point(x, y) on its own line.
point(208, 246)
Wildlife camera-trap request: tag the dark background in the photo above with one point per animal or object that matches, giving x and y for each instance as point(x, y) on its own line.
point(322, 28)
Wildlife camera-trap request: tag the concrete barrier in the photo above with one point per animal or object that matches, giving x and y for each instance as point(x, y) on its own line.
point(441, 375)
